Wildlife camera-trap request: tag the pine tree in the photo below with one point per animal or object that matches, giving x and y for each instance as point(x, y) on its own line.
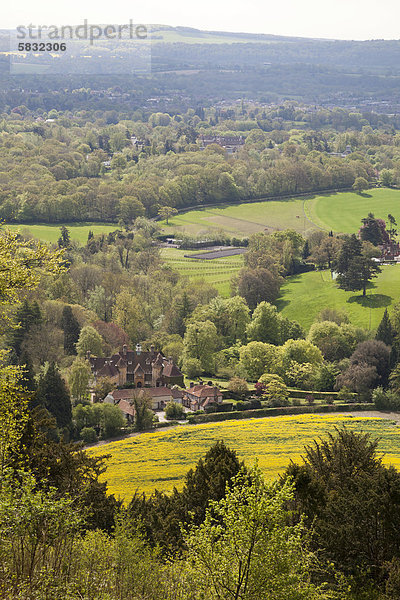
point(64, 241)
point(71, 329)
point(306, 250)
point(53, 395)
point(384, 332)
point(354, 268)
point(27, 315)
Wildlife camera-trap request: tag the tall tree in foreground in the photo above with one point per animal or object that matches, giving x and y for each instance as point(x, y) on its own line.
point(245, 548)
point(53, 394)
point(71, 329)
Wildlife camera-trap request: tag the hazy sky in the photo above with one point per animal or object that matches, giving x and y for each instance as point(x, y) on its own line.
point(342, 19)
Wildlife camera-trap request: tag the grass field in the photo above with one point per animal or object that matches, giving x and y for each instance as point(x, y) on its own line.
point(218, 272)
point(341, 212)
point(78, 231)
point(161, 459)
point(316, 290)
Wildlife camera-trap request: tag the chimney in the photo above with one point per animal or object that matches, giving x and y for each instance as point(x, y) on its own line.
point(124, 349)
point(138, 349)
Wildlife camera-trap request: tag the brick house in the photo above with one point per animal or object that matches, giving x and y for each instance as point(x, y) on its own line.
point(143, 369)
point(198, 397)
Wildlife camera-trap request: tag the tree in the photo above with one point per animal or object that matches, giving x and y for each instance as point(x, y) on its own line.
point(78, 379)
point(89, 341)
point(245, 548)
point(258, 358)
point(71, 329)
point(265, 324)
point(352, 501)
point(392, 231)
point(166, 212)
point(371, 230)
point(141, 401)
point(64, 241)
point(238, 386)
point(173, 410)
point(360, 184)
point(355, 267)
point(258, 285)
point(53, 395)
point(200, 342)
point(26, 316)
point(300, 351)
point(386, 177)
point(127, 314)
point(385, 332)
point(369, 368)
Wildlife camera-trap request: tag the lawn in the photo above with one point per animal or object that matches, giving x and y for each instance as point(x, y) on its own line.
point(161, 459)
point(343, 212)
point(78, 231)
point(243, 219)
point(316, 290)
point(218, 272)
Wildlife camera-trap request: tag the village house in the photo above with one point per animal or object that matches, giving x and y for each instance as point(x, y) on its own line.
point(160, 396)
point(140, 368)
point(199, 396)
point(230, 143)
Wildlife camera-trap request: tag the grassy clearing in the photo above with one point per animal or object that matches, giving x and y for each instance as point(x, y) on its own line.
point(218, 272)
point(78, 231)
point(243, 219)
point(316, 290)
point(343, 212)
point(161, 459)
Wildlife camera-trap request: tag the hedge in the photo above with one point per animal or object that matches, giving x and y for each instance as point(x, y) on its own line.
point(275, 412)
point(295, 393)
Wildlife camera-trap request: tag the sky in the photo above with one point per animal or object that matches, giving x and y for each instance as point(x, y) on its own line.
point(339, 19)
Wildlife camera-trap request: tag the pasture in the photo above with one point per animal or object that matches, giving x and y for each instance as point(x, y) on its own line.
point(341, 212)
point(50, 233)
point(161, 459)
point(316, 290)
point(217, 272)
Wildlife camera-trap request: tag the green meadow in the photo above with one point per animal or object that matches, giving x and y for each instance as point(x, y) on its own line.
point(51, 233)
point(304, 296)
point(218, 272)
point(341, 212)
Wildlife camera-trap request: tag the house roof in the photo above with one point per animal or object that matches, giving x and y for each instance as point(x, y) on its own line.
point(171, 370)
point(126, 407)
point(204, 391)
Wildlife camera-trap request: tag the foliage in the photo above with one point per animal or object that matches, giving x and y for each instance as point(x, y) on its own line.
point(238, 386)
point(258, 358)
point(78, 379)
point(53, 394)
point(173, 410)
point(89, 341)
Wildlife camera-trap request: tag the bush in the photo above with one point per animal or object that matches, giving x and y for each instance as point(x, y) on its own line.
point(173, 410)
point(296, 402)
point(385, 400)
point(238, 386)
point(276, 394)
point(88, 435)
point(345, 395)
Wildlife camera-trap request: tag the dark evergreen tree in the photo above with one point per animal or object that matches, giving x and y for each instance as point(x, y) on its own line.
point(64, 241)
point(27, 315)
point(354, 269)
point(71, 330)
point(53, 394)
point(371, 231)
point(385, 332)
point(306, 251)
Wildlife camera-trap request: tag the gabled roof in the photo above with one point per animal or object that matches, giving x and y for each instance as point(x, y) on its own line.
point(126, 407)
point(204, 391)
point(171, 370)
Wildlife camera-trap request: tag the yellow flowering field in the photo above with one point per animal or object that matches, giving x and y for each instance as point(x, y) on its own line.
point(161, 459)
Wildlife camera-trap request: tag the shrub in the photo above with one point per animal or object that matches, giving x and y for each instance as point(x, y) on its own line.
point(296, 402)
point(276, 393)
point(88, 435)
point(310, 399)
point(174, 410)
point(385, 400)
point(345, 395)
point(238, 386)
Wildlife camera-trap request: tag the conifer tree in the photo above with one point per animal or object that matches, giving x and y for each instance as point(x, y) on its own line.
point(71, 329)
point(384, 332)
point(27, 315)
point(53, 395)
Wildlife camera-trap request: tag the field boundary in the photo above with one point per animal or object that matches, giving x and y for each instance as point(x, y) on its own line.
point(278, 412)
